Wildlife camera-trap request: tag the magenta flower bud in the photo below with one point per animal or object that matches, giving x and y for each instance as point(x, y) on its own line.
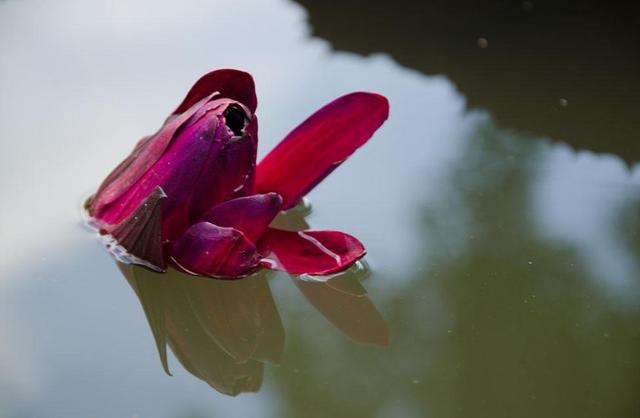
point(185, 194)
point(210, 159)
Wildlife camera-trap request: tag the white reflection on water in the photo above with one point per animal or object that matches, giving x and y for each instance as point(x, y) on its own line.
point(581, 200)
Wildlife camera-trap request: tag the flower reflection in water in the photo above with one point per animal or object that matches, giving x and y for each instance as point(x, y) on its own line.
point(220, 331)
point(223, 332)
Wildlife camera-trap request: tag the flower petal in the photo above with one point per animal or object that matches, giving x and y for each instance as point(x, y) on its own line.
point(146, 153)
point(177, 171)
point(211, 250)
point(318, 145)
point(228, 174)
point(310, 252)
point(140, 233)
point(205, 164)
point(231, 84)
point(251, 214)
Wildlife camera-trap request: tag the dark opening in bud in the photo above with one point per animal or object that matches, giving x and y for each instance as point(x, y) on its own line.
point(235, 119)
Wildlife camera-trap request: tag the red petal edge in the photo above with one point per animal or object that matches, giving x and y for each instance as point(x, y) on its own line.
point(232, 84)
point(320, 144)
point(310, 252)
point(210, 250)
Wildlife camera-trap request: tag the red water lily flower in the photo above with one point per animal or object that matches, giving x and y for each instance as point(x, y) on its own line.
point(192, 195)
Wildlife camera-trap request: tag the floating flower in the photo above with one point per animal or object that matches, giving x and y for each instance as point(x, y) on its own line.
point(191, 194)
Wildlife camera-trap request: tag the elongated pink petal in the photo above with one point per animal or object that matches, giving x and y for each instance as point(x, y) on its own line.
point(311, 252)
point(318, 145)
point(211, 250)
point(231, 84)
point(251, 214)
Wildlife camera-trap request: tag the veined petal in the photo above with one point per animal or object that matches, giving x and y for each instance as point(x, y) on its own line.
point(251, 214)
point(320, 144)
point(310, 252)
point(211, 250)
point(227, 174)
point(177, 171)
point(145, 154)
point(206, 163)
point(140, 233)
point(231, 84)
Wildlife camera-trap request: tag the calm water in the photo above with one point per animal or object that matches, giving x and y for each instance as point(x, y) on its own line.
point(503, 273)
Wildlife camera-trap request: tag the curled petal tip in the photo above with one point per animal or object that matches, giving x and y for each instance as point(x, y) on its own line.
point(376, 101)
point(309, 252)
point(233, 84)
point(275, 199)
point(249, 214)
point(210, 250)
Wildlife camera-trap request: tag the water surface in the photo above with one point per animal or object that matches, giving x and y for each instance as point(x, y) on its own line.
point(504, 265)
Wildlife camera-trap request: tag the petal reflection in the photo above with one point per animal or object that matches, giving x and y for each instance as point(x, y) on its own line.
point(344, 302)
point(221, 331)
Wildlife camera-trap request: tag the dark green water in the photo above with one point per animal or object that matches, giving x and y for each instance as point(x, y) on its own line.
point(503, 274)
